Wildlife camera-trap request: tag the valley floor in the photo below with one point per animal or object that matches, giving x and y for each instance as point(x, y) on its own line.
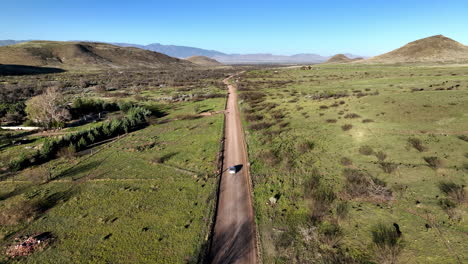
point(359, 164)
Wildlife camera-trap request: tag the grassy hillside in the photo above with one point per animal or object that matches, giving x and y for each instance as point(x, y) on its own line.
point(204, 61)
point(340, 154)
point(435, 49)
point(84, 54)
point(338, 58)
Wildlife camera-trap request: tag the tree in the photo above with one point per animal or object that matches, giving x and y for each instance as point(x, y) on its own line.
point(48, 109)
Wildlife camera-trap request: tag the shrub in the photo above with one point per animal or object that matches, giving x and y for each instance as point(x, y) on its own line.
point(346, 161)
point(91, 138)
point(454, 191)
point(82, 144)
point(463, 137)
point(352, 115)
point(331, 121)
point(125, 106)
point(138, 115)
point(360, 184)
point(447, 204)
point(367, 120)
point(305, 146)
point(270, 157)
point(311, 183)
point(366, 150)
point(387, 243)
point(388, 167)
point(381, 156)
point(48, 149)
point(322, 196)
point(342, 209)
point(331, 233)
point(433, 162)
point(84, 106)
point(346, 127)
point(20, 163)
point(67, 152)
point(417, 144)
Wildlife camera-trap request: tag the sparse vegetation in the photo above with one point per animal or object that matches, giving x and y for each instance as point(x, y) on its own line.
point(454, 191)
point(346, 127)
point(417, 144)
point(392, 181)
point(366, 150)
point(433, 162)
point(387, 243)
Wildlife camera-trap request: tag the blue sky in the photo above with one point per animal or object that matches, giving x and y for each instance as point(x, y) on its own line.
point(364, 27)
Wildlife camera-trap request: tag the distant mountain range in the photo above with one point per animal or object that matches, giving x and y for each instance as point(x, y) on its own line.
point(185, 52)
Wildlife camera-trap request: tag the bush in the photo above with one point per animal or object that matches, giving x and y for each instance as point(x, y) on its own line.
point(86, 106)
point(311, 183)
point(48, 149)
point(387, 243)
point(388, 167)
point(346, 161)
point(20, 163)
point(82, 144)
point(381, 156)
point(366, 150)
point(454, 191)
point(125, 106)
point(138, 115)
point(342, 209)
point(352, 115)
point(346, 127)
point(360, 184)
point(433, 162)
point(417, 144)
point(306, 146)
point(331, 233)
point(322, 196)
point(463, 137)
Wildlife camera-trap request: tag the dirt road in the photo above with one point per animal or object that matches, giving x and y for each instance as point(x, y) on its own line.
point(234, 238)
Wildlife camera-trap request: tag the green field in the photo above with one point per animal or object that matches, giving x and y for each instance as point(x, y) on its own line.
point(144, 197)
point(366, 120)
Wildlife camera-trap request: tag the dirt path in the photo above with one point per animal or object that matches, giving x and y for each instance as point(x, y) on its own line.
point(234, 238)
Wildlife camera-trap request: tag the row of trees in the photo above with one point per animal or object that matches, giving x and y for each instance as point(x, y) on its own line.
point(136, 118)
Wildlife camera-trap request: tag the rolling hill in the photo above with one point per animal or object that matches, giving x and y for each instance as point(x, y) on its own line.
point(173, 50)
point(339, 58)
point(435, 49)
point(204, 61)
point(84, 54)
point(254, 58)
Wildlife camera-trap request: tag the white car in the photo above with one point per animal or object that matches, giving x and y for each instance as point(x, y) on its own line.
point(232, 170)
